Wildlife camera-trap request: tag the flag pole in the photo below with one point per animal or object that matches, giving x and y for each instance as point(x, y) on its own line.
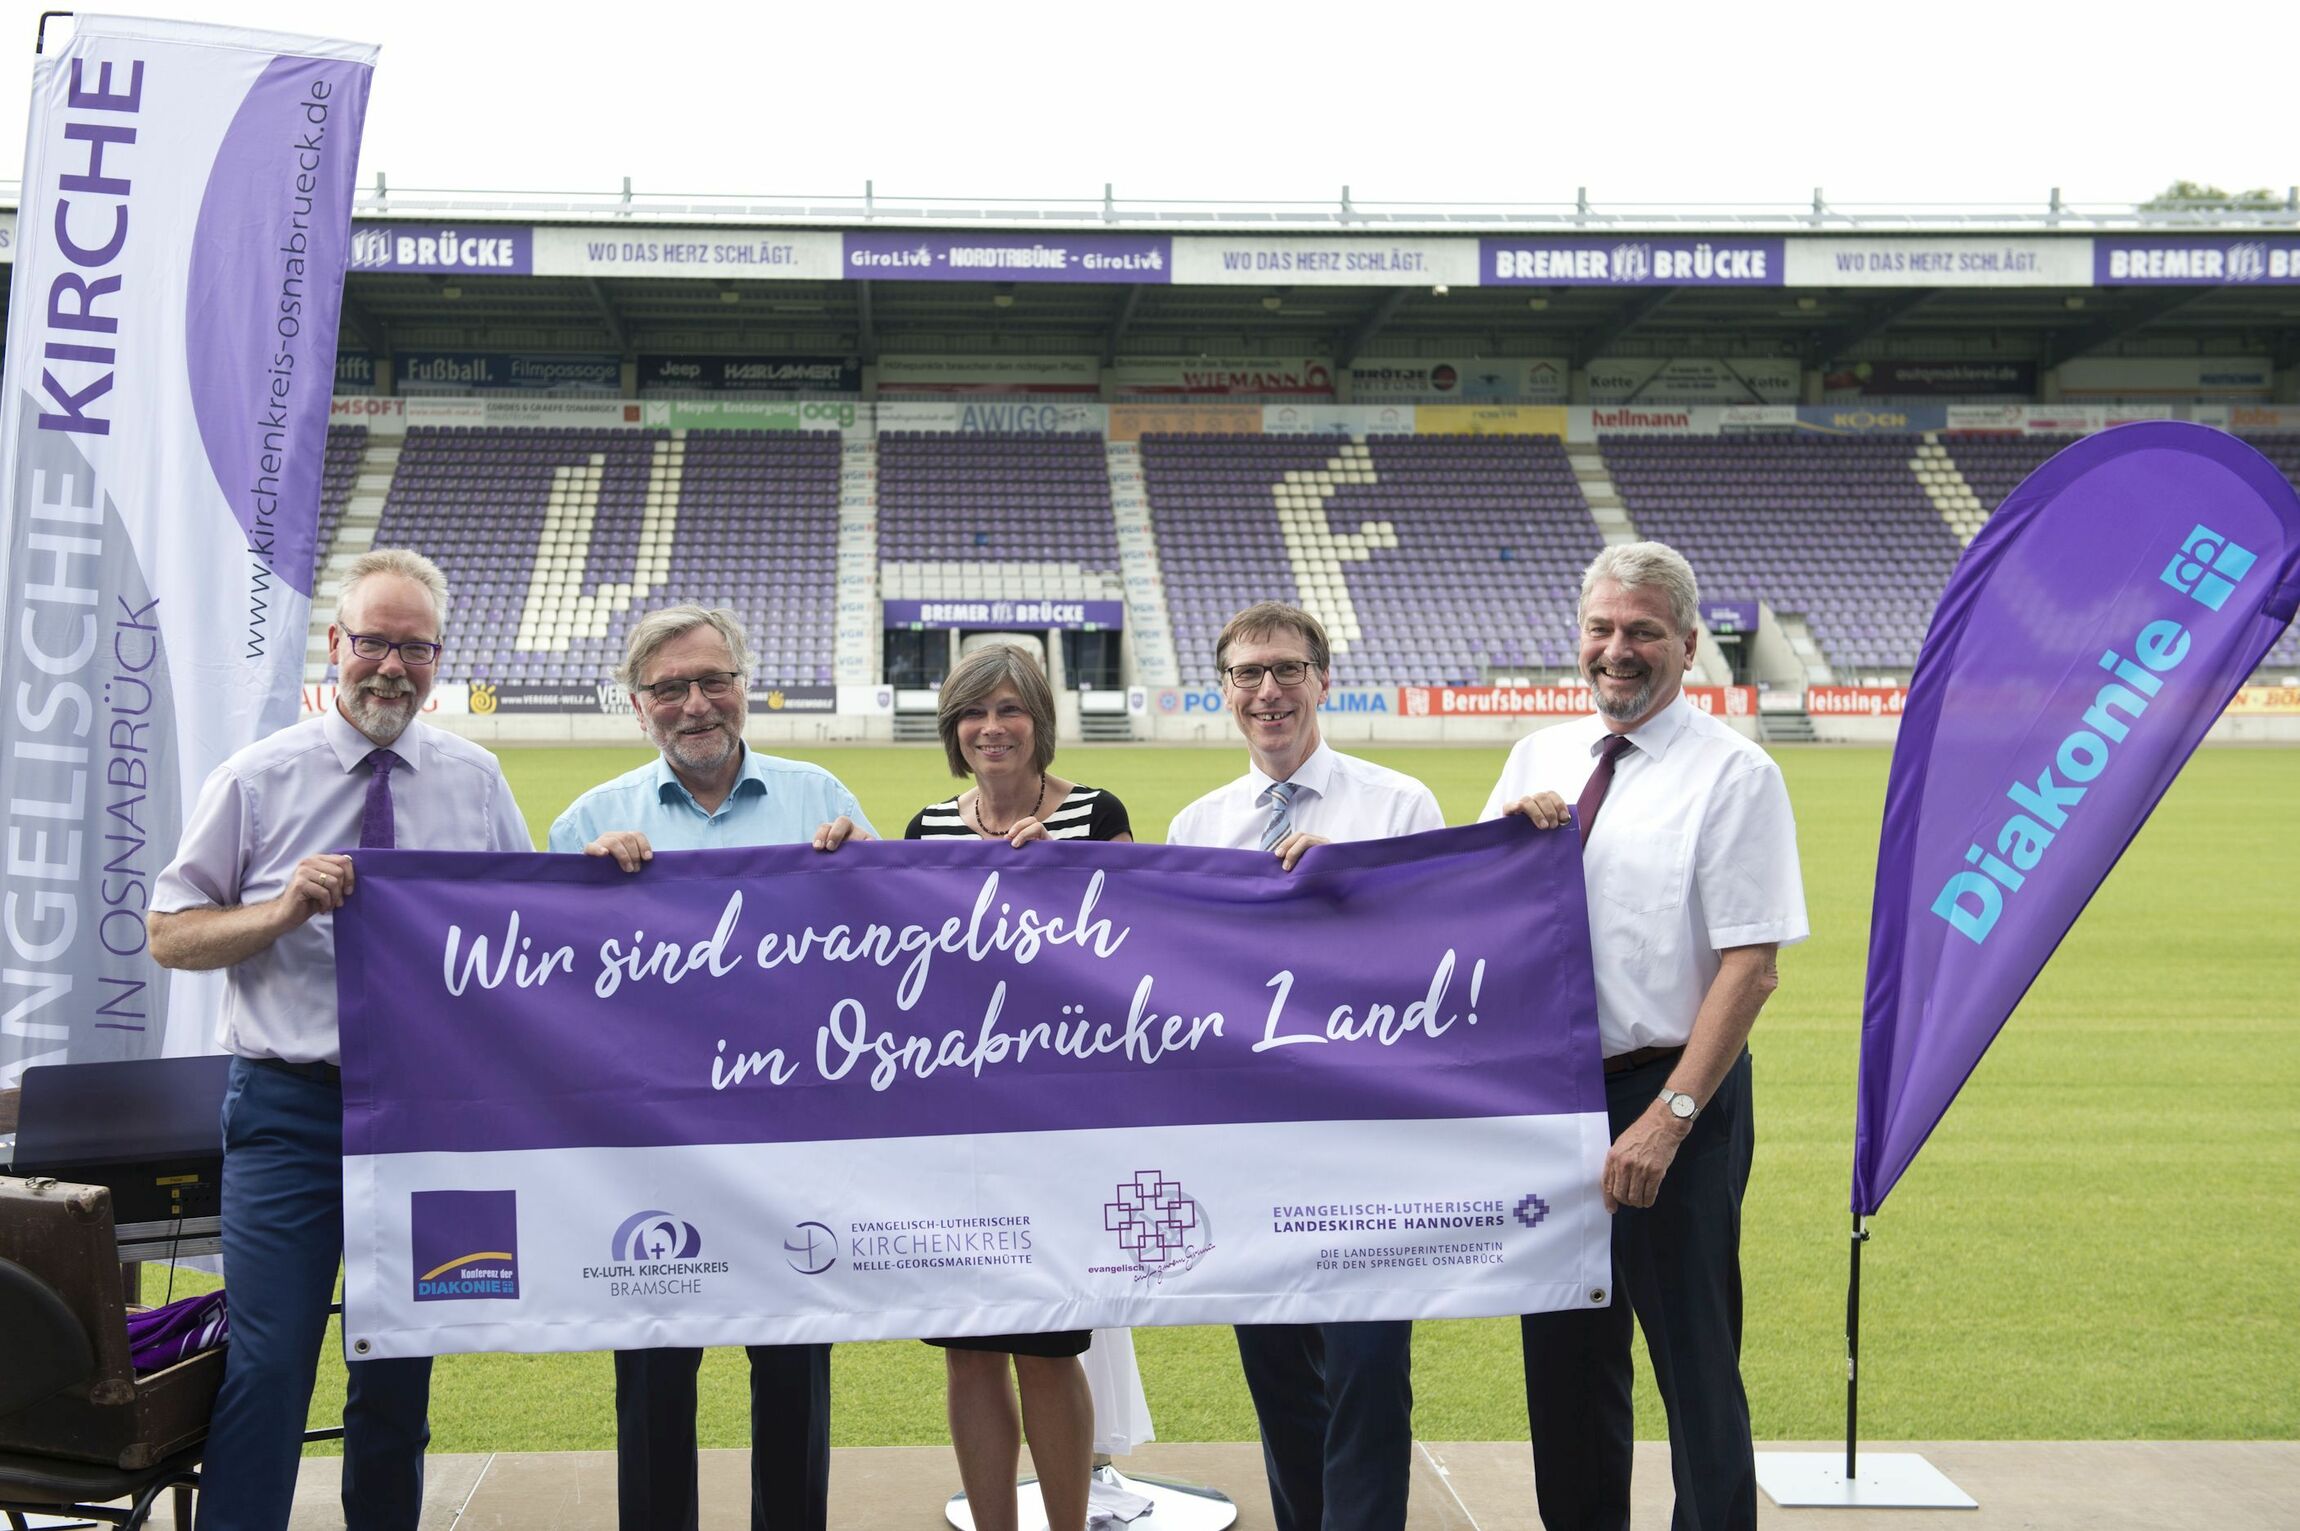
point(1853, 1346)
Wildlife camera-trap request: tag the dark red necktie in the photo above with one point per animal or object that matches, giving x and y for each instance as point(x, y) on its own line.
point(378, 830)
point(1600, 781)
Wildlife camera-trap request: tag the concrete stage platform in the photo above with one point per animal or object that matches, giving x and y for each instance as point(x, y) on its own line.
point(1458, 1486)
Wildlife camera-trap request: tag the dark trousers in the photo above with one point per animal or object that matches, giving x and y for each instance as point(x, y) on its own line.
point(1336, 1404)
point(283, 1239)
point(655, 1472)
point(1678, 1264)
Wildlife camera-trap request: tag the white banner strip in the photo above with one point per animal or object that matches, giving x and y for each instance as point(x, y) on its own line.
point(909, 1237)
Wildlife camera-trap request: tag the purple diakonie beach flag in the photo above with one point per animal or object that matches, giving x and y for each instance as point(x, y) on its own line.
point(946, 1088)
point(2091, 634)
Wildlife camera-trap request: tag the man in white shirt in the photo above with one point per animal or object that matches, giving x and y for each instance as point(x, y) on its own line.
point(1690, 860)
point(1335, 1401)
point(254, 889)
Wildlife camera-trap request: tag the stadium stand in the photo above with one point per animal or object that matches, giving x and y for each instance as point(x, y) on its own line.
point(1995, 465)
point(1429, 558)
point(1433, 559)
point(2283, 449)
point(346, 448)
point(1836, 530)
point(995, 515)
point(526, 522)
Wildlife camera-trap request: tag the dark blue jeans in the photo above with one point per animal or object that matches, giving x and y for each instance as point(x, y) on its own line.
point(1336, 1405)
point(1677, 1266)
point(283, 1239)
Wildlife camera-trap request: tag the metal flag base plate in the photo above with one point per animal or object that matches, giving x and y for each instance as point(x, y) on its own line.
point(1174, 1506)
point(1886, 1480)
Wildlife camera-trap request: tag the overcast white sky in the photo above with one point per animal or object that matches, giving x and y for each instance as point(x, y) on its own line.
point(1655, 102)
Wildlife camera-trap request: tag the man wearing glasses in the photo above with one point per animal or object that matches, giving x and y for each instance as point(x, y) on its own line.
point(253, 889)
point(687, 670)
point(1335, 1401)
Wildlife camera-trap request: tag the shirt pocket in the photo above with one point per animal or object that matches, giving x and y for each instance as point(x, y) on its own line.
point(1642, 872)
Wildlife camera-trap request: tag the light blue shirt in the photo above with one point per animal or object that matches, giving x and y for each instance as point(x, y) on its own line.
point(775, 802)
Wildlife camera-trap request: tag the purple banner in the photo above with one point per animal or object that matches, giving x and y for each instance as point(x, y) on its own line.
point(1729, 616)
point(265, 282)
point(1029, 616)
point(1592, 261)
point(479, 249)
point(907, 989)
point(992, 256)
point(2091, 634)
point(2194, 260)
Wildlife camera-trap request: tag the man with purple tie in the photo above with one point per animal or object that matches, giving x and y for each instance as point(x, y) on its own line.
point(254, 890)
point(1689, 860)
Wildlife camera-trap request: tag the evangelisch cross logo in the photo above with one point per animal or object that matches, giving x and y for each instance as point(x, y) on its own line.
point(2208, 567)
point(812, 1249)
point(1152, 1216)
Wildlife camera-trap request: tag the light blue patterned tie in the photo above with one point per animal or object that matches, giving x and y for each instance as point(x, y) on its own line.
point(1280, 796)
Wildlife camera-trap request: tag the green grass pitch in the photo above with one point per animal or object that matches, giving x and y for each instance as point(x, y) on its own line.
point(2099, 1242)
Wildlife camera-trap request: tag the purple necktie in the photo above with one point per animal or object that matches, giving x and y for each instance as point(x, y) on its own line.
point(377, 830)
point(1600, 780)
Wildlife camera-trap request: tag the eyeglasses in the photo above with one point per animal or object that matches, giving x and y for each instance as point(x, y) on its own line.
point(413, 652)
point(1287, 672)
point(716, 686)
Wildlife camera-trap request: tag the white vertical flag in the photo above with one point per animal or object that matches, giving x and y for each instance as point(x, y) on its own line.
point(181, 238)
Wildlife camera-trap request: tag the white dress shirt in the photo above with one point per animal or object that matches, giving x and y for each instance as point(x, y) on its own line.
point(295, 794)
point(1341, 798)
point(1693, 852)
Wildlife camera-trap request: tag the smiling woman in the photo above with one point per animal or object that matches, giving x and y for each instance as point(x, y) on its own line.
point(996, 715)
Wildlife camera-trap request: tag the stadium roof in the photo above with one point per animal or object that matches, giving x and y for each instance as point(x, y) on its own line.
point(1798, 312)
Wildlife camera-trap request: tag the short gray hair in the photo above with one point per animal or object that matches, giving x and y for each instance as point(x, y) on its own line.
point(657, 628)
point(404, 562)
point(972, 683)
point(1632, 565)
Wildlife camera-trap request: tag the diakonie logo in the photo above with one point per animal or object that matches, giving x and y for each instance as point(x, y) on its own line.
point(465, 1244)
point(2208, 567)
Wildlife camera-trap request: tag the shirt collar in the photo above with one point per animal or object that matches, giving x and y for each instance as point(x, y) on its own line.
point(750, 781)
point(1313, 775)
point(352, 747)
point(1656, 734)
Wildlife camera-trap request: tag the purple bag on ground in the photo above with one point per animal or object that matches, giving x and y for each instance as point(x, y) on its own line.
point(160, 1337)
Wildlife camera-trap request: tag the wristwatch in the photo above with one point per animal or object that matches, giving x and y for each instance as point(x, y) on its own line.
point(1681, 1105)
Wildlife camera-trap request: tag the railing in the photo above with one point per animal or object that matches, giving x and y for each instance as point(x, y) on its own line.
point(2050, 215)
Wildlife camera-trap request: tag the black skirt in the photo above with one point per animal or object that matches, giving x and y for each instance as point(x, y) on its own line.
point(1062, 1342)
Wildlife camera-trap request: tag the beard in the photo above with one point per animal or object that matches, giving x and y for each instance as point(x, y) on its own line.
point(372, 704)
point(1623, 709)
point(701, 751)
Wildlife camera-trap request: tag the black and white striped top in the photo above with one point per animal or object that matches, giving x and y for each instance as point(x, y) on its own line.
point(1088, 813)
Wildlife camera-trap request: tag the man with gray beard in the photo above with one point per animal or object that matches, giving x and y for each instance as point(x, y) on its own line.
point(254, 889)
